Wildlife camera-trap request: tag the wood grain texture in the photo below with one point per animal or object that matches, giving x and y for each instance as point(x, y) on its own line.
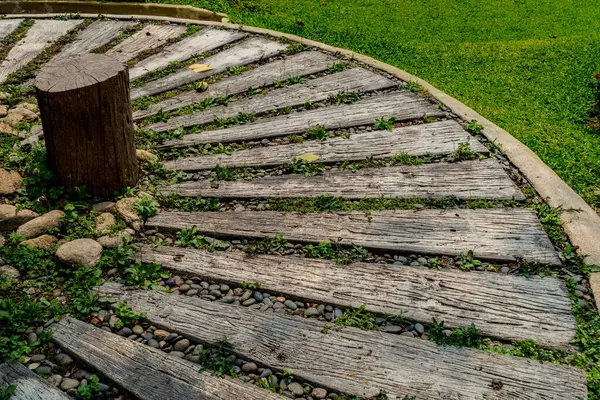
point(148, 38)
point(145, 372)
point(29, 386)
point(402, 105)
point(41, 35)
point(86, 116)
point(438, 138)
point(350, 80)
point(96, 35)
point(205, 40)
point(247, 52)
point(301, 64)
point(493, 234)
point(7, 26)
point(508, 307)
point(354, 361)
point(484, 179)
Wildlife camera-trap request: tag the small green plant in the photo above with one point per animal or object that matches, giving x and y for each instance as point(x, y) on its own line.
point(296, 139)
point(334, 250)
point(145, 276)
point(385, 125)
point(289, 81)
point(269, 245)
point(6, 394)
point(224, 174)
point(146, 207)
point(404, 159)
point(434, 263)
point(253, 285)
point(126, 314)
point(304, 167)
point(217, 358)
point(463, 337)
point(358, 318)
point(344, 97)
point(417, 88)
point(337, 67)
point(89, 390)
point(190, 237)
point(318, 133)
point(464, 152)
point(474, 127)
point(468, 262)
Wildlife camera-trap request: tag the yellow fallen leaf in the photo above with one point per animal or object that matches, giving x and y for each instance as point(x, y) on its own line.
point(308, 157)
point(200, 67)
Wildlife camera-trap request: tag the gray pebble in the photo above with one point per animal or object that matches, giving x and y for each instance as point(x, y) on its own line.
point(258, 296)
point(319, 393)
point(249, 302)
point(43, 370)
point(37, 357)
point(249, 367)
point(291, 305)
point(63, 359)
point(505, 270)
point(69, 383)
point(338, 313)
point(296, 388)
point(311, 312)
point(192, 292)
point(224, 288)
point(184, 288)
point(177, 354)
point(153, 343)
point(247, 294)
point(181, 345)
point(32, 338)
point(420, 329)
point(392, 328)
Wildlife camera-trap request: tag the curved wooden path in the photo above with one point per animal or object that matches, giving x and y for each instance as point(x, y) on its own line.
point(273, 112)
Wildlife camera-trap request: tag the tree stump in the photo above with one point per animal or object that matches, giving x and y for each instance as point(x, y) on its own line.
point(88, 129)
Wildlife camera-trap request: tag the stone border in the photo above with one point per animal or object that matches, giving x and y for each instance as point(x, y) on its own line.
point(79, 6)
point(579, 220)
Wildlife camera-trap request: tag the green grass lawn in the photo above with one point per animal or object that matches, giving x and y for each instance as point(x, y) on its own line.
point(524, 64)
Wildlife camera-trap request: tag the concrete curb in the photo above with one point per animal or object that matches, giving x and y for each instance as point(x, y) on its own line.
point(579, 220)
point(79, 6)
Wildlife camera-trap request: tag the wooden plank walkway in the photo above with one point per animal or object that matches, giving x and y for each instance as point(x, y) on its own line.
point(247, 52)
point(437, 138)
point(493, 234)
point(354, 361)
point(41, 35)
point(29, 386)
point(205, 40)
point(145, 372)
point(7, 26)
point(94, 36)
point(148, 38)
point(350, 80)
point(301, 64)
point(508, 307)
point(484, 179)
point(402, 105)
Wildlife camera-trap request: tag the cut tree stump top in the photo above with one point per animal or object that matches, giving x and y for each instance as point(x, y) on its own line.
point(88, 70)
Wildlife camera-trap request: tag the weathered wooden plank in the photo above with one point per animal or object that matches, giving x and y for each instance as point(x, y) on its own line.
point(151, 37)
point(354, 361)
point(508, 307)
point(145, 372)
point(249, 51)
point(29, 386)
point(402, 105)
point(301, 64)
point(350, 80)
point(96, 35)
point(493, 234)
point(437, 138)
point(205, 40)
point(7, 26)
point(484, 179)
point(41, 35)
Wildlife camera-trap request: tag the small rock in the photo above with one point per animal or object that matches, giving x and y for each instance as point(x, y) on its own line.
point(33, 366)
point(11, 219)
point(170, 336)
point(32, 338)
point(249, 302)
point(22, 114)
point(69, 383)
point(40, 242)
point(104, 223)
point(42, 224)
point(9, 273)
point(44, 370)
point(392, 328)
point(505, 270)
point(296, 388)
point(63, 359)
point(338, 313)
point(247, 294)
point(37, 358)
point(159, 334)
point(249, 367)
point(181, 345)
point(125, 332)
point(118, 239)
point(3, 110)
point(420, 329)
point(143, 155)
point(177, 354)
point(2, 242)
point(311, 311)
point(184, 288)
point(10, 181)
point(80, 252)
point(80, 374)
point(319, 393)
point(258, 296)
point(7, 128)
point(55, 380)
point(138, 330)
point(153, 343)
point(290, 304)
point(125, 209)
point(103, 206)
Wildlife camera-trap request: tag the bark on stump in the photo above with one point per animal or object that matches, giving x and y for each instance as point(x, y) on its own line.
point(88, 129)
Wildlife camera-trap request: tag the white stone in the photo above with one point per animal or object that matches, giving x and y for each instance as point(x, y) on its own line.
point(42, 224)
point(80, 253)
